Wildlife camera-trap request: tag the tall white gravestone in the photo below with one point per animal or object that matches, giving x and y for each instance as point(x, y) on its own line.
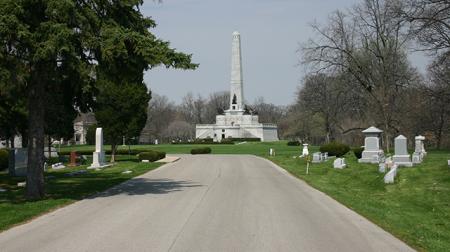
point(372, 151)
point(98, 157)
point(401, 157)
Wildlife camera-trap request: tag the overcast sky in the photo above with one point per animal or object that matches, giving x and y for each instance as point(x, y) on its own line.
point(271, 31)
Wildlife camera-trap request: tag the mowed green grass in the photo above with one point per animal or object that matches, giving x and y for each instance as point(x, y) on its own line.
point(61, 189)
point(254, 148)
point(416, 208)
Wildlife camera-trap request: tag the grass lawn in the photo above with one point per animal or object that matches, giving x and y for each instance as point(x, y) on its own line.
point(61, 189)
point(416, 208)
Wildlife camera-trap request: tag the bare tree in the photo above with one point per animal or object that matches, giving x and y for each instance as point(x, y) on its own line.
point(335, 99)
point(430, 21)
point(161, 112)
point(217, 103)
point(268, 112)
point(193, 109)
point(438, 91)
point(368, 45)
point(180, 130)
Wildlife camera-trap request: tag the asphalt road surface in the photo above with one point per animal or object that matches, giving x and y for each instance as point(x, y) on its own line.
point(204, 203)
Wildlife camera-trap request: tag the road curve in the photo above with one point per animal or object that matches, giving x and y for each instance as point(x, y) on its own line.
point(204, 203)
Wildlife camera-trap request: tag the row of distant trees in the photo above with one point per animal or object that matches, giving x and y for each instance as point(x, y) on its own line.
point(360, 74)
point(167, 121)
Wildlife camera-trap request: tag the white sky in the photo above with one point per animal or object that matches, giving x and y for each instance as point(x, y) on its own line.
point(271, 31)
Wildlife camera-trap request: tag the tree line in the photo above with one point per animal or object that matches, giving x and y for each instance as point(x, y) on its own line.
point(359, 74)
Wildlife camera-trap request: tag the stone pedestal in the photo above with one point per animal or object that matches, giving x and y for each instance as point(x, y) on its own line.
point(419, 150)
point(305, 151)
point(372, 152)
point(401, 157)
point(98, 159)
point(73, 158)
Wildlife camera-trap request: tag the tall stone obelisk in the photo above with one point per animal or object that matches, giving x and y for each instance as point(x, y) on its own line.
point(237, 89)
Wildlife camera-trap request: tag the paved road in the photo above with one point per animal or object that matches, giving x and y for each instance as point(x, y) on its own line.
point(204, 203)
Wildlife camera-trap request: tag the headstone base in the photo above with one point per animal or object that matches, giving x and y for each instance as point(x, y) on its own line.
point(98, 160)
point(368, 156)
point(402, 160)
point(416, 158)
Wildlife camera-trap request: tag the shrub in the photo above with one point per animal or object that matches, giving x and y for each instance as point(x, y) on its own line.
point(52, 160)
point(227, 141)
point(202, 141)
point(358, 152)
point(79, 152)
point(4, 156)
point(206, 141)
point(205, 150)
point(88, 152)
point(151, 155)
point(293, 143)
point(246, 139)
point(335, 149)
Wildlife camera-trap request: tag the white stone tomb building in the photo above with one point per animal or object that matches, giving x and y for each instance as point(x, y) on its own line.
point(235, 122)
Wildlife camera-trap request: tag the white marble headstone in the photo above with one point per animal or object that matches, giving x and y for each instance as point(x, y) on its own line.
point(389, 178)
point(401, 156)
point(339, 163)
point(317, 157)
point(371, 146)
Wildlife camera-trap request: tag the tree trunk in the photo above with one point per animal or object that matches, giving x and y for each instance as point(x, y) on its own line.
point(24, 136)
point(113, 152)
point(440, 129)
point(49, 147)
point(36, 110)
point(12, 160)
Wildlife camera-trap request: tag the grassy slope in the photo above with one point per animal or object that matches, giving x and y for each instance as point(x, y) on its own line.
point(416, 208)
point(61, 190)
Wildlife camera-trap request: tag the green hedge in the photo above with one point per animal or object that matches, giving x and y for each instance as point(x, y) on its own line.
point(107, 152)
point(4, 156)
point(151, 155)
point(246, 139)
point(224, 141)
point(205, 150)
point(335, 149)
point(293, 143)
point(358, 152)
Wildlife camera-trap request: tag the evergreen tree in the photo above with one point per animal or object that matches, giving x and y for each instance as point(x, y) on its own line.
point(77, 44)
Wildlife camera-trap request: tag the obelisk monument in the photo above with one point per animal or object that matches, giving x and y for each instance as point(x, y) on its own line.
point(237, 89)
